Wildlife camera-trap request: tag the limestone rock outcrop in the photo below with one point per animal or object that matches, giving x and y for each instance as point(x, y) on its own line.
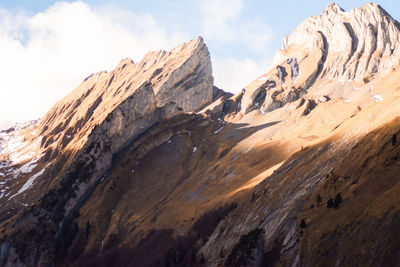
point(80, 134)
point(355, 43)
point(336, 45)
point(175, 81)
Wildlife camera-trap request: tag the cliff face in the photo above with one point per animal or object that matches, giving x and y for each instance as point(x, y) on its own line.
point(334, 95)
point(334, 47)
point(299, 168)
point(79, 135)
point(354, 44)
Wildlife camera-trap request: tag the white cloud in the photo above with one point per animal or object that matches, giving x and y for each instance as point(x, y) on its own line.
point(46, 55)
point(227, 30)
point(218, 15)
point(233, 74)
point(223, 23)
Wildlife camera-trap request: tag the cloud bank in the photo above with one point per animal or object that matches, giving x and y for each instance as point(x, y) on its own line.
point(46, 55)
point(247, 39)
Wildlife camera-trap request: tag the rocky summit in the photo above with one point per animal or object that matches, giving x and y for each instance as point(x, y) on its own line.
point(152, 165)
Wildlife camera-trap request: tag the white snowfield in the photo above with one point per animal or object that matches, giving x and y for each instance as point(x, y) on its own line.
point(21, 157)
point(28, 167)
point(19, 150)
point(29, 183)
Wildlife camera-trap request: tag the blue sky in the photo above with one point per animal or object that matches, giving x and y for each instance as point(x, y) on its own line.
point(48, 47)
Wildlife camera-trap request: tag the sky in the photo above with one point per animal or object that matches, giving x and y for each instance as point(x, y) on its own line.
point(48, 47)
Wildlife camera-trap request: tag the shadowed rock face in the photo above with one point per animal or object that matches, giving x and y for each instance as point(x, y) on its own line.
point(298, 168)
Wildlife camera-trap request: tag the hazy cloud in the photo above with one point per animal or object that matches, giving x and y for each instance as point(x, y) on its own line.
point(226, 29)
point(234, 74)
point(45, 56)
point(219, 16)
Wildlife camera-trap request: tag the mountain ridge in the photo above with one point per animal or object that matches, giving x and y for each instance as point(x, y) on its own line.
point(161, 168)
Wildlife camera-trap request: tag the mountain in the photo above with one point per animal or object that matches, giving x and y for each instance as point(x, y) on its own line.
point(152, 165)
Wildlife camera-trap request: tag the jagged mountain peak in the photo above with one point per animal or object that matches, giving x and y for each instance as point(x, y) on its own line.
point(335, 47)
point(123, 63)
point(103, 114)
point(333, 7)
point(352, 44)
point(371, 7)
point(99, 94)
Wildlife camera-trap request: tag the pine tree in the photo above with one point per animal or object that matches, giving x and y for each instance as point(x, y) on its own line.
point(319, 199)
point(329, 204)
point(338, 200)
point(302, 224)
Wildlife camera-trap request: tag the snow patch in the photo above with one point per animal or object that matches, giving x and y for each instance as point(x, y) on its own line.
point(2, 192)
point(20, 150)
point(194, 149)
point(347, 100)
point(30, 182)
point(15, 144)
point(263, 78)
point(28, 167)
point(220, 129)
point(280, 74)
point(378, 98)
point(295, 68)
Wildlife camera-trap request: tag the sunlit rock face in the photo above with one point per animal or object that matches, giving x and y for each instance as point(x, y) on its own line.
point(85, 129)
point(336, 45)
point(353, 44)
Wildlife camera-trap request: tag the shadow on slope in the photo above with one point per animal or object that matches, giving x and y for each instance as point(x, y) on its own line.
point(160, 189)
